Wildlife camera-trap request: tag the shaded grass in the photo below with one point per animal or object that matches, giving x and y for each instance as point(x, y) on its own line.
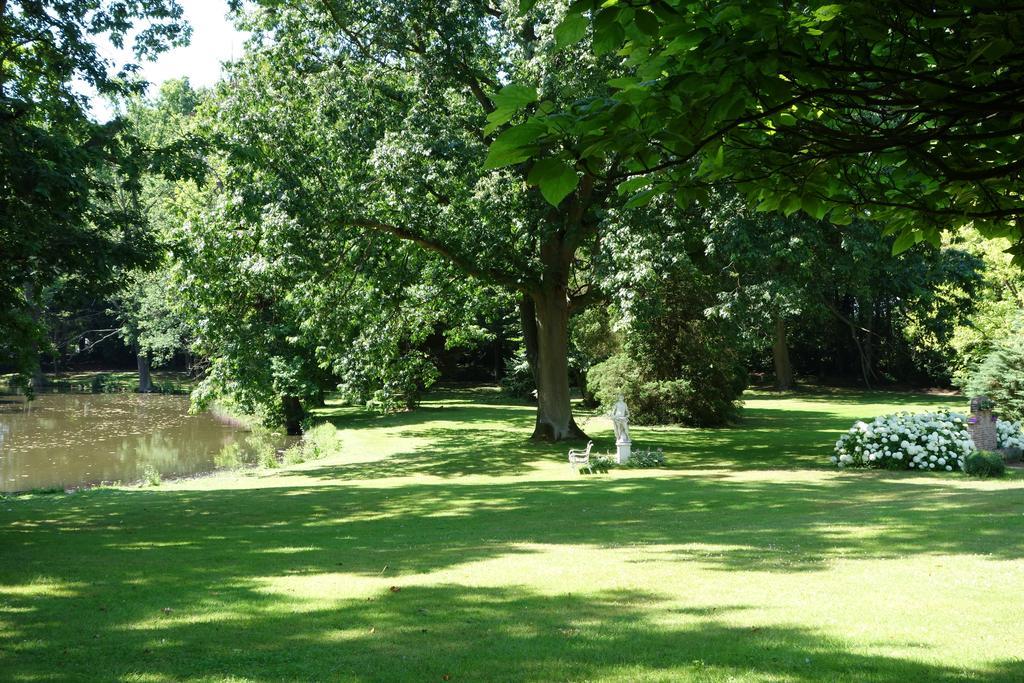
point(438, 544)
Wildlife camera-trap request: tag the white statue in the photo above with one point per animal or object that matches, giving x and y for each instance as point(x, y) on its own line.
point(620, 420)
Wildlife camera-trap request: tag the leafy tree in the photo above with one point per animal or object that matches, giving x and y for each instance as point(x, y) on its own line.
point(910, 112)
point(998, 310)
point(1001, 377)
point(676, 362)
point(56, 163)
point(151, 324)
point(773, 275)
point(371, 121)
point(145, 305)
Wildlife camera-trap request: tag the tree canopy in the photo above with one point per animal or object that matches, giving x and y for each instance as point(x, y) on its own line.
point(57, 164)
point(911, 113)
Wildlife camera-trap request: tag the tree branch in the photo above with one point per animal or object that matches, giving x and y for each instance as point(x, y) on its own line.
point(518, 283)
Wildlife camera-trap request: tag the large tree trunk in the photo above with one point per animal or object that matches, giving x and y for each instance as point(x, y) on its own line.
point(554, 407)
point(780, 352)
point(145, 381)
point(528, 318)
point(293, 414)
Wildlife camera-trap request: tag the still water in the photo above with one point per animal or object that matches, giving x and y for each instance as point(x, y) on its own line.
point(78, 439)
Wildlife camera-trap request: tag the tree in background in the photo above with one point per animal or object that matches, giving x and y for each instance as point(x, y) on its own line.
point(998, 307)
point(146, 305)
point(57, 165)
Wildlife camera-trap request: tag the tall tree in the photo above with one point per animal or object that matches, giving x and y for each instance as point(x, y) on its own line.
point(379, 113)
point(56, 163)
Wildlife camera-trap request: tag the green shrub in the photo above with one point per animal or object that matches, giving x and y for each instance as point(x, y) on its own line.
point(598, 463)
point(229, 457)
point(317, 442)
point(645, 459)
point(984, 464)
point(261, 442)
point(518, 380)
point(1001, 377)
point(321, 440)
point(151, 476)
point(657, 401)
point(295, 455)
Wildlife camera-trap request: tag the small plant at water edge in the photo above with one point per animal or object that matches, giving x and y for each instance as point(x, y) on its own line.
point(229, 457)
point(985, 464)
point(151, 476)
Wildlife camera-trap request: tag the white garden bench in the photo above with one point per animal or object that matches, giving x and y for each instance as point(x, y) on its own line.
point(578, 457)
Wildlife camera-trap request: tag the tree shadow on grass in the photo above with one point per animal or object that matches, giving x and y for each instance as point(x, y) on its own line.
point(764, 525)
point(454, 632)
point(851, 396)
point(477, 432)
point(492, 440)
point(223, 563)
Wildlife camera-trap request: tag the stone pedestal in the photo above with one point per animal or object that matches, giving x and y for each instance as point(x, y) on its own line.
point(982, 427)
point(981, 424)
point(622, 451)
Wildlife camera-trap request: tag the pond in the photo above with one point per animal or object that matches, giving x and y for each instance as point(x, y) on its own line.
point(75, 439)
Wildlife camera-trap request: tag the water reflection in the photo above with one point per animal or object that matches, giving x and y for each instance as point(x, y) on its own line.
point(74, 439)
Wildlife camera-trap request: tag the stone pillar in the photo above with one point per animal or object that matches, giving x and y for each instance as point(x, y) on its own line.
point(622, 451)
point(981, 424)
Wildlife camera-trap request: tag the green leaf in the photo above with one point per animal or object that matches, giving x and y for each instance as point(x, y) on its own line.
point(905, 241)
point(555, 177)
point(514, 145)
point(571, 30)
point(635, 183)
point(508, 102)
point(515, 96)
point(791, 205)
point(814, 207)
point(526, 5)
point(642, 198)
point(648, 23)
point(827, 12)
point(608, 38)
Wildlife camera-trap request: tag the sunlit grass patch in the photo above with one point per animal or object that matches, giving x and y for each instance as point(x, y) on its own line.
point(440, 543)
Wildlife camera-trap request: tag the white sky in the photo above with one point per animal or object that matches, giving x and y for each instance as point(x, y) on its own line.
point(214, 41)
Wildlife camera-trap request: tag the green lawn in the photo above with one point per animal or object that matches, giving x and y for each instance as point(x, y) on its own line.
point(437, 545)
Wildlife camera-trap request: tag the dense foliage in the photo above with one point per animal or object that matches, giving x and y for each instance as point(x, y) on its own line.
point(985, 464)
point(1000, 376)
point(380, 187)
point(909, 111)
point(58, 167)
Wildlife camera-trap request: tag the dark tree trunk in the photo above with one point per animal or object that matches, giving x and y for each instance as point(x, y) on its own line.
point(780, 352)
point(293, 414)
point(528, 319)
point(38, 380)
point(554, 407)
point(145, 381)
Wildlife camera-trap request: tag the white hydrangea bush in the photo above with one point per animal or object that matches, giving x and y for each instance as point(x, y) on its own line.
point(926, 441)
point(1010, 434)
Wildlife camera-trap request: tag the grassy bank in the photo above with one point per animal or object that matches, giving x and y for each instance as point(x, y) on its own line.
point(438, 545)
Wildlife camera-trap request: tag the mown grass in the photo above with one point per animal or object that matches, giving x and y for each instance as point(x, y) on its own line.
point(438, 545)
